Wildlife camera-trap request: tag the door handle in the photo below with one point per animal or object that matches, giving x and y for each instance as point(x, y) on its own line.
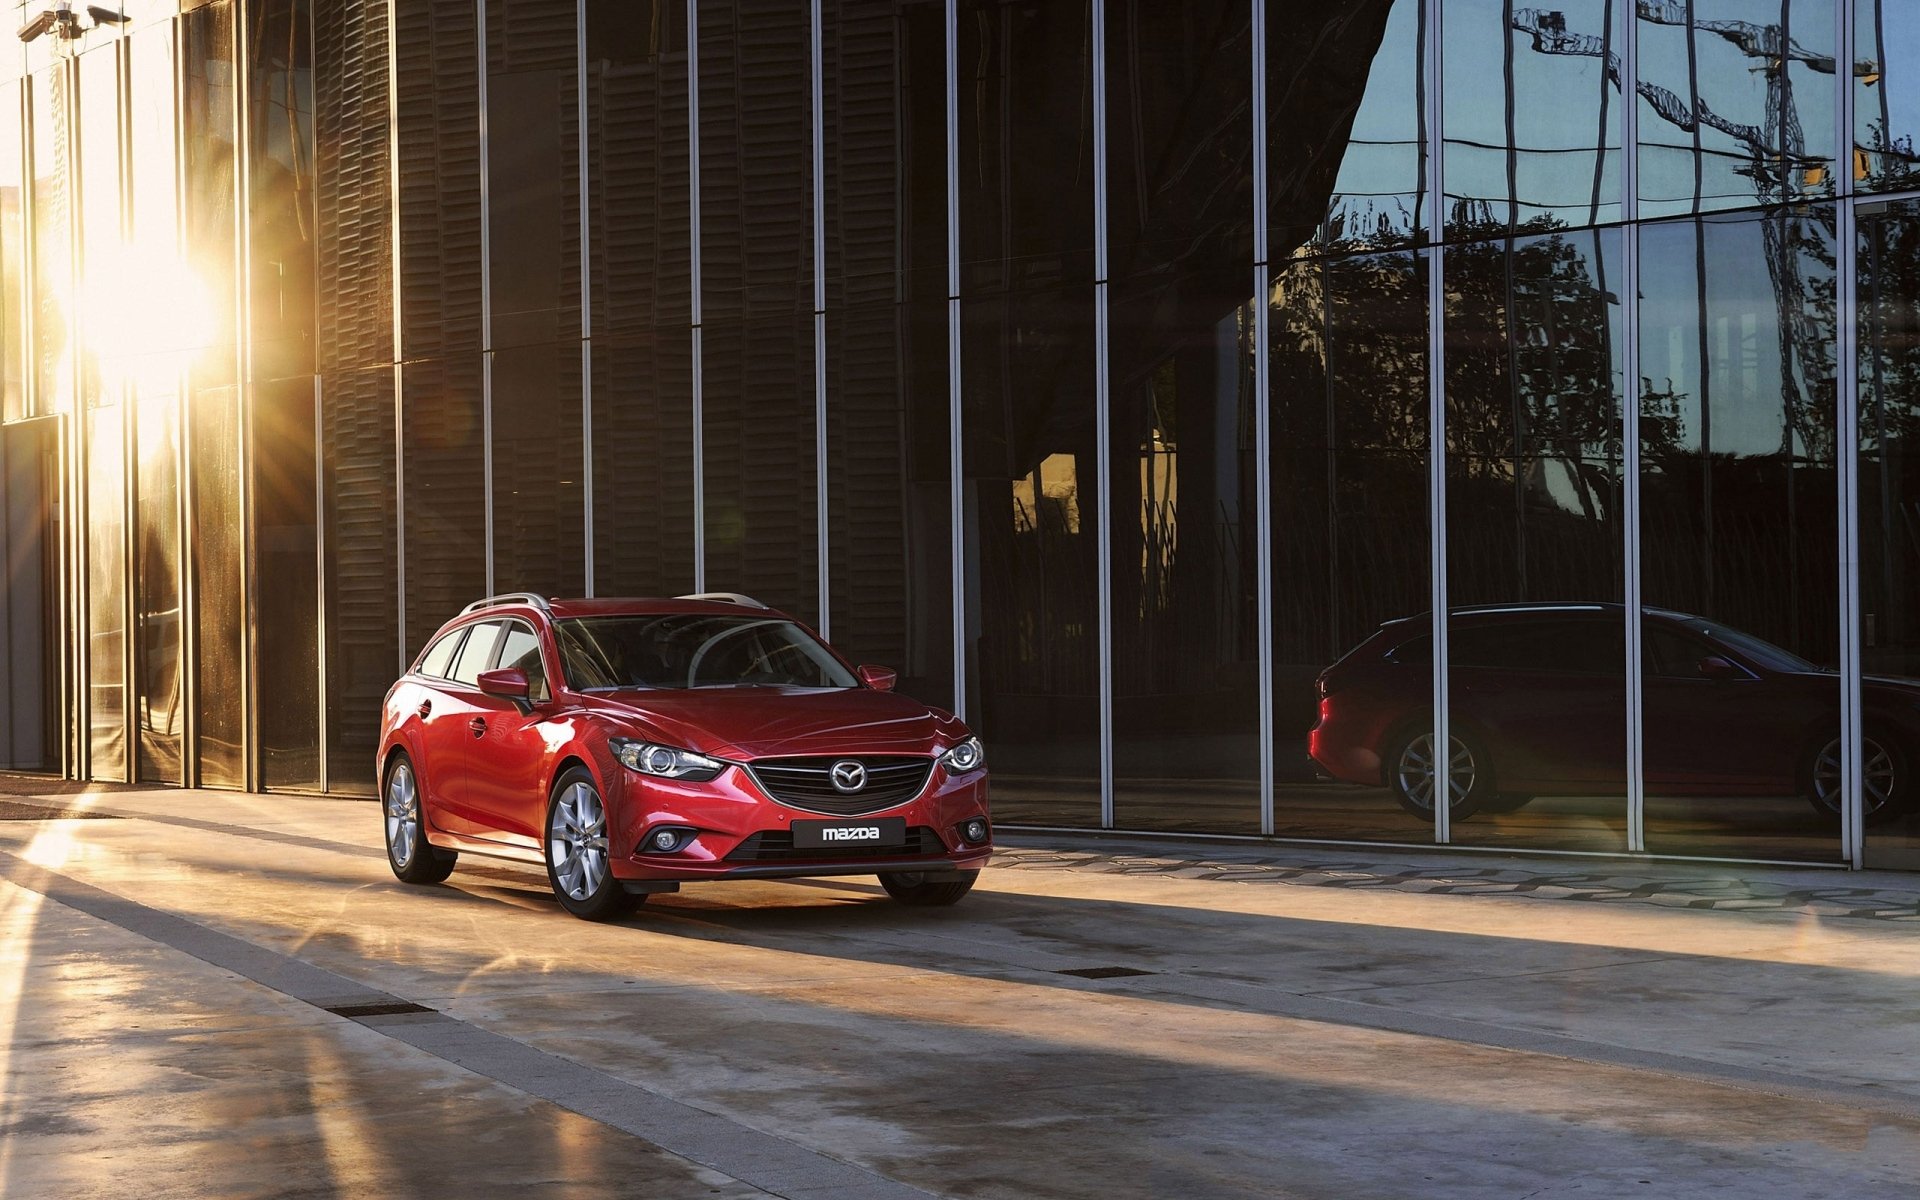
point(478, 725)
point(426, 706)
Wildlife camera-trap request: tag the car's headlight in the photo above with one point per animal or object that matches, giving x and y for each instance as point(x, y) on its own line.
point(665, 762)
point(969, 755)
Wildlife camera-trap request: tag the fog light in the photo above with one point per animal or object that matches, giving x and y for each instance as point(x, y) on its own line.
point(667, 839)
point(975, 830)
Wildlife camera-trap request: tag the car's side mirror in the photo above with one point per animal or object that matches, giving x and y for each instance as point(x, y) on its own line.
point(1717, 668)
point(880, 679)
point(509, 683)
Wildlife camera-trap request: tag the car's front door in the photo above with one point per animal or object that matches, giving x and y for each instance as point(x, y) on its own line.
point(508, 756)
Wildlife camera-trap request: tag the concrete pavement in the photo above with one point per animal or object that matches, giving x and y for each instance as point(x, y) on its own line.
point(198, 994)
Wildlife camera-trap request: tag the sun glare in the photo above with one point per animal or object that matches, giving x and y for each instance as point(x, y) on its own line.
point(144, 314)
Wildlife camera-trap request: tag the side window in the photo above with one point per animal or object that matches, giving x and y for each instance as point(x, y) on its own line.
point(439, 656)
point(1672, 655)
point(521, 651)
point(476, 654)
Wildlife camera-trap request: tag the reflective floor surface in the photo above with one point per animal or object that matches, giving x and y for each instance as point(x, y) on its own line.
point(207, 994)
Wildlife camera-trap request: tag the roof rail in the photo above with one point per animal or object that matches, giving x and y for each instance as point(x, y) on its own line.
point(534, 598)
point(725, 598)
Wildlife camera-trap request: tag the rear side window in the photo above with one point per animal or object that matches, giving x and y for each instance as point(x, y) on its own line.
point(439, 656)
point(476, 653)
point(521, 652)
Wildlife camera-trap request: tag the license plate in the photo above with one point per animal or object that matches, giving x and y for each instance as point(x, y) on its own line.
point(884, 832)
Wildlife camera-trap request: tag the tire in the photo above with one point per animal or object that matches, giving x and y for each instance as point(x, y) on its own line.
point(1409, 762)
point(1883, 770)
point(412, 857)
point(914, 889)
point(578, 866)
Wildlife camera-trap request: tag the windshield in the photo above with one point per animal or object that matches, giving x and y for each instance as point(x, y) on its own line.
point(1768, 655)
point(694, 650)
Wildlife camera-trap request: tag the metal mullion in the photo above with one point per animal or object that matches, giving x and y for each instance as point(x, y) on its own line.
point(250, 773)
point(1102, 413)
point(1846, 446)
point(694, 315)
point(1262, 422)
point(486, 296)
point(399, 395)
point(320, 576)
point(586, 293)
point(823, 543)
point(131, 688)
point(1442, 760)
point(956, 485)
point(1631, 597)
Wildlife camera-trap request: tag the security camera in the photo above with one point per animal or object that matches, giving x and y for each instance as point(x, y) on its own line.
point(60, 17)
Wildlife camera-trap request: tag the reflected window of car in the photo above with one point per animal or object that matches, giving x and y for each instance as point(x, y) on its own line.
point(1754, 649)
point(439, 656)
point(695, 650)
point(520, 651)
point(1670, 654)
point(1578, 646)
point(476, 653)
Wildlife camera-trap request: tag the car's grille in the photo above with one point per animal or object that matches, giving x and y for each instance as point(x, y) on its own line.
point(807, 783)
point(776, 845)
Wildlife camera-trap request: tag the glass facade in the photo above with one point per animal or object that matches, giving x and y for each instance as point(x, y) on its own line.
point(1139, 381)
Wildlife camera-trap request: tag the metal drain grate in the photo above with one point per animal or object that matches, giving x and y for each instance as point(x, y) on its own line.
point(13, 810)
point(375, 1010)
point(1104, 972)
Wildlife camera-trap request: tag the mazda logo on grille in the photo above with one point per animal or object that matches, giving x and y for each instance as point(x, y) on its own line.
point(848, 775)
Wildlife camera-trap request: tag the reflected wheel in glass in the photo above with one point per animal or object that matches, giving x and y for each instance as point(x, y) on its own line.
point(1882, 778)
point(1413, 775)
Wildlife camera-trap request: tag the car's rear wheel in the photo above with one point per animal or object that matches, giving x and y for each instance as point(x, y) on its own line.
point(1414, 775)
point(1883, 778)
point(577, 860)
point(412, 857)
point(914, 888)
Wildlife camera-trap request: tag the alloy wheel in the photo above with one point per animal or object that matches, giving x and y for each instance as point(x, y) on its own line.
point(403, 815)
point(577, 841)
point(1877, 776)
point(1415, 772)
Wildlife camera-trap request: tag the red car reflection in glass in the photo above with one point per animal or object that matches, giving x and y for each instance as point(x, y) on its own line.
point(632, 744)
point(1538, 707)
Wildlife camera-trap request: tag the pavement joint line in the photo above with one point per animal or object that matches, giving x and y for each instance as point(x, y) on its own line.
point(1320, 1006)
point(759, 1159)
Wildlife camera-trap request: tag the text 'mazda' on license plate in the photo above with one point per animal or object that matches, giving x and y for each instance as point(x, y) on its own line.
point(881, 832)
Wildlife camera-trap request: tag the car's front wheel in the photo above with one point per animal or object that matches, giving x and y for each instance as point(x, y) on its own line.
point(412, 857)
point(914, 888)
point(577, 860)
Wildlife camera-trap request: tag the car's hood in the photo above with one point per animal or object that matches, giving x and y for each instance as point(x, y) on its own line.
point(757, 722)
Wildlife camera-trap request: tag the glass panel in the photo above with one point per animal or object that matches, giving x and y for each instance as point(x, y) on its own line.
point(439, 131)
point(14, 352)
point(533, 171)
point(155, 343)
point(363, 635)
point(354, 219)
point(1726, 119)
point(1351, 530)
point(539, 518)
point(281, 209)
point(1889, 365)
point(1886, 95)
point(445, 503)
point(643, 465)
point(1186, 741)
point(106, 590)
point(1537, 634)
point(31, 722)
point(1532, 115)
point(286, 584)
point(1737, 533)
point(52, 244)
point(890, 574)
point(1345, 89)
point(102, 249)
point(756, 238)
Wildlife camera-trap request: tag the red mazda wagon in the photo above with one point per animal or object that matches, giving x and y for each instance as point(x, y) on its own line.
point(632, 744)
